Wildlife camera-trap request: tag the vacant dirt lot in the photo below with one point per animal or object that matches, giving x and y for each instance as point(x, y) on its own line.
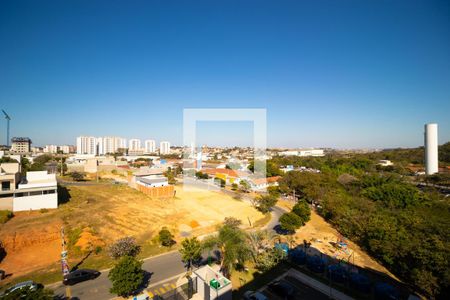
point(322, 237)
point(109, 212)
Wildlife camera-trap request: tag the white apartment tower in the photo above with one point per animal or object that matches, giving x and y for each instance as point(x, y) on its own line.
point(87, 145)
point(149, 146)
point(51, 149)
point(164, 148)
point(134, 145)
point(431, 148)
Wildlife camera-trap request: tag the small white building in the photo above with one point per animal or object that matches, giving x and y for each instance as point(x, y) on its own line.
point(385, 163)
point(37, 191)
point(212, 284)
point(152, 181)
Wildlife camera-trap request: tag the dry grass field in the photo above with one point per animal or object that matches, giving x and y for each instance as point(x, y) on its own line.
point(109, 212)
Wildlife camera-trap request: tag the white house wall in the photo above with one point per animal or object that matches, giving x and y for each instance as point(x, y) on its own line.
point(35, 202)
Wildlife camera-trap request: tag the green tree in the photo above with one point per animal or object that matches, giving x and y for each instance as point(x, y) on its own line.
point(166, 237)
point(274, 191)
point(231, 242)
point(219, 181)
point(302, 209)
point(290, 222)
point(265, 202)
point(272, 168)
point(269, 258)
point(191, 250)
point(126, 276)
point(244, 186)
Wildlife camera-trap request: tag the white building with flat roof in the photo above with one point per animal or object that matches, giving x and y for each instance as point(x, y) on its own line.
point(149, 146)
point(36, 191)
point(303, 152)
point(164, 147)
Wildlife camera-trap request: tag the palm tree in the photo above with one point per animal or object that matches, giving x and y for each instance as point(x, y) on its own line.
point(259, 240)
point(231, 242)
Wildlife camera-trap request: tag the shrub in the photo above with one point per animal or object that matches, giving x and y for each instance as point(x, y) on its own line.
point(5, 215)
point(124, 247)
point(77, 176)
point(165, 237)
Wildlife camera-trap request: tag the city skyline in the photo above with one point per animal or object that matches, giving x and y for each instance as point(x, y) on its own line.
point(327, 77)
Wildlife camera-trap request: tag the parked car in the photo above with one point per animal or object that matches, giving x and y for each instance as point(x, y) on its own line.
point(22, 285)
point(79, 276)
point(251, 295)
point(283, 289)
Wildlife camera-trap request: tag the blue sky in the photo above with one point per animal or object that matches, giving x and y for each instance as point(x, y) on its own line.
point(344, 74)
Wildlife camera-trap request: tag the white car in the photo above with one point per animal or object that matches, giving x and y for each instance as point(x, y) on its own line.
point(251, 295)
point(22, 285)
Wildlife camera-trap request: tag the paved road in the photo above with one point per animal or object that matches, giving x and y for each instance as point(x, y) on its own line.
point(160, 268)
point(276, 213)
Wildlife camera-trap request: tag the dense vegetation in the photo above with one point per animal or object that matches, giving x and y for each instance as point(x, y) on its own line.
point(405, 228)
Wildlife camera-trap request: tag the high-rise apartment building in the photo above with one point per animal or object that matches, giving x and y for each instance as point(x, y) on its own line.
point(50, 149)
point(20, 145)
point(149, 146)
point(164, 147)
point(87, 145)
point(134, 145)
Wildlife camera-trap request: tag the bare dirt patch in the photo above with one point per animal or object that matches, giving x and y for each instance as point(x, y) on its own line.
point(109, 212)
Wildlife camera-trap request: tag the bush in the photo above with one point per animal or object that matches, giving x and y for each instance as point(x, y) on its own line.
point(126, 276)
point(5, 215)
point(124, 247)
point(165, 237)
point(234, 186)
point(77, 176)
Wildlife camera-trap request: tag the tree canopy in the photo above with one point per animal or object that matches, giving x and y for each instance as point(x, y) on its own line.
point(126, 276)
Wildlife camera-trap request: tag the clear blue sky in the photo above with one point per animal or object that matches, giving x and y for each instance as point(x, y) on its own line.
point(330, 73)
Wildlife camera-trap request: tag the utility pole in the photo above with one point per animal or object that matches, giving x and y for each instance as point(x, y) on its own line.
point(64, 264)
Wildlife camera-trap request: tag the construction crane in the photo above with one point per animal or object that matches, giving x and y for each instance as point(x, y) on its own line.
point(7, 127)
